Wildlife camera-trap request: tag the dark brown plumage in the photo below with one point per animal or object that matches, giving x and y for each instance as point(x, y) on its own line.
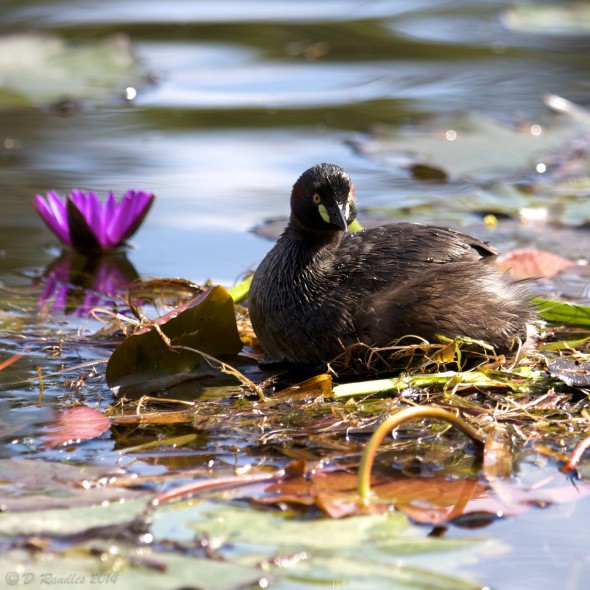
point(320, 288)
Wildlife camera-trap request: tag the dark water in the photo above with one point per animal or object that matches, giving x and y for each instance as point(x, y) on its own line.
point(235, 100)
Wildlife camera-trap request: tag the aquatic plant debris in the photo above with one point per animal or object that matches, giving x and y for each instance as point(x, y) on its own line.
point(299, 447)
point(82, 222)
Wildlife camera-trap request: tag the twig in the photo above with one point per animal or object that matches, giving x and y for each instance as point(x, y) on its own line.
point(224, 368)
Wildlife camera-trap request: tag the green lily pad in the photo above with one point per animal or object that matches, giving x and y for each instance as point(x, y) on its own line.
point(38, 69)
point(363, 551)
point(571, 19)
point(466, 145)
point(145, 362)
point(33, 485)
point(83, 554)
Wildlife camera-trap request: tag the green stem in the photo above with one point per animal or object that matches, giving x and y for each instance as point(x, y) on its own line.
point(366, 466)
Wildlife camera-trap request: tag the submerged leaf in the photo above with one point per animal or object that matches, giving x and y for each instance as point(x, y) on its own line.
point(391, 423)
point(145, 362)
point(428, 500)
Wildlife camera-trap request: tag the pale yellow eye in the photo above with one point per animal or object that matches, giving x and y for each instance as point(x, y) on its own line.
point(316, 199)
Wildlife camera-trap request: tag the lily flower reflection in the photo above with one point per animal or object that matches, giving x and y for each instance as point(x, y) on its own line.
point(85, 224)
point(75, 283)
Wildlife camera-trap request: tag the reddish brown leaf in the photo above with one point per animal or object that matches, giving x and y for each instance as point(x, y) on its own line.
point(76, 424)
point(529, 263)
point(433, 500)
point(429, 500)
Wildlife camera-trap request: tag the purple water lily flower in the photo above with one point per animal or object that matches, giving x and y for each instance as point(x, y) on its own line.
point(85, 224)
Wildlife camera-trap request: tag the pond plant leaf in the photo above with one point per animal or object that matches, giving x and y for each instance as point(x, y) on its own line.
point(528, 263)
point(74, 548)
point(571, 19)
point(76, 424)
point(569, 344)
point(375, 551)
point(165, 353)
point(561, 312)
point(240, 291)
point(41, 69)
point(458, 146)
point(435, 500)
point(516, 380)
point(34, 485)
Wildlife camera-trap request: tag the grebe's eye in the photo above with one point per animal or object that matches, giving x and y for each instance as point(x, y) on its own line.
point(316, 199)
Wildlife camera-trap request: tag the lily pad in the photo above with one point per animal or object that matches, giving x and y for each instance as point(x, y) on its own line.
point(37, 69)
point(380, 550)
point(133, 568)
point(571, 19)
point(41, 485)
point(73, 539)
point(145, 363)
point(467, 145)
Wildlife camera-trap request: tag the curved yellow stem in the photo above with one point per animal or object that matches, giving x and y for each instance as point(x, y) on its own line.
point(364, 474)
